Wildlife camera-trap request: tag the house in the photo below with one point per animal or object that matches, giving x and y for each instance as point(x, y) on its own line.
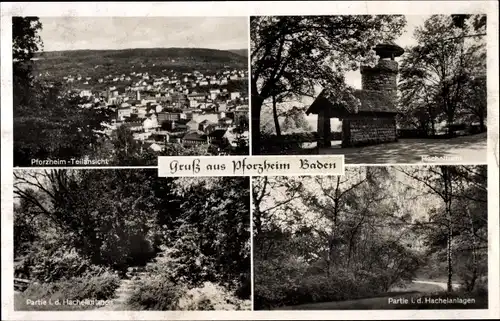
point(168, 116)
point(194, 139)
point(232, 136)
point(214, 93)
point(124, 112)
point(221, 115)
point(155, 147)
point(216, 136)
point(150, 123)
point(204, 125)
point(211, 117)
point(373, 120)
point(193, 103)
point(85, 93)
point(234, 95)
point(142, 136)
point(133, 126)
point(141, 110)
point(222, 106)
point(192, 125)
point(225, 122)
point(240, 112)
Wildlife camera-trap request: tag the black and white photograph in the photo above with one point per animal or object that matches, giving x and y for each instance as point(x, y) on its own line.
point(377, 238)
point(121, 91)
point(126, 240)
point(379, 89)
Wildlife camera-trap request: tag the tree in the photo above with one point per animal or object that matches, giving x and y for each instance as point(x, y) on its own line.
point(107, 216)
point(26, 42)
point(295, 53)
point(456, 221)
point(210, 237)
point(434, 72)
point(48, 119)
point(475, 99)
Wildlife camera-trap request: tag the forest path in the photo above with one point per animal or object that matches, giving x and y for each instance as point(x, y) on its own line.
point(442, 285)
point(125, 290)
point(412, 290)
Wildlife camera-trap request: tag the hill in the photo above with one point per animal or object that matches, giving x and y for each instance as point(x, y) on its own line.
point(241, 52)
point(97, 63)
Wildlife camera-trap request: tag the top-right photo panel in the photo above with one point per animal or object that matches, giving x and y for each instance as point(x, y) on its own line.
point(379, 89)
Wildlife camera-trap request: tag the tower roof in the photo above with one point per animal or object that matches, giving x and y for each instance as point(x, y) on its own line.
point(388, 49)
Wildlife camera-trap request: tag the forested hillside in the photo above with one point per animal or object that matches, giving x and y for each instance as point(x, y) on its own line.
point(99, 63)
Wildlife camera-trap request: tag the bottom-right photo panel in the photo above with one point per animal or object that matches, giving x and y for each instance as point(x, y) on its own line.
point(395, 237)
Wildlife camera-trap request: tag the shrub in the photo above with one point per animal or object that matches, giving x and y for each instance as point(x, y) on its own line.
point(155, 293)
point(211, 297)
point(49, 264)
point(101, 287)
point(286, 284)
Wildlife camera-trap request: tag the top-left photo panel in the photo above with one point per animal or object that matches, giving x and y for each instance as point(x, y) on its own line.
point(121, 91)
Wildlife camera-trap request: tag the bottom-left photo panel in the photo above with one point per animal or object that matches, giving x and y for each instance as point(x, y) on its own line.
point(126, 239)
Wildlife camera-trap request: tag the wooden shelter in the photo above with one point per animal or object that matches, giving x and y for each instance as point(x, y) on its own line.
point(373, 120)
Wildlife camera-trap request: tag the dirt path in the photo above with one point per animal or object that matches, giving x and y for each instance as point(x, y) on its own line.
point(442, 285)
point(125, 290)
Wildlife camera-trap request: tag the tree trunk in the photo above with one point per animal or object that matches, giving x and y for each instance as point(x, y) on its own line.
point(447, 195)
point(450, 117)
point(472, 283)
point(255, 123)
point(482, 125)
point(275, 117)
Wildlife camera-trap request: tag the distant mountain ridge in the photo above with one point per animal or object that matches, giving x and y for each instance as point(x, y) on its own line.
point(101, 63)
point(241, 52)
point(173, 52)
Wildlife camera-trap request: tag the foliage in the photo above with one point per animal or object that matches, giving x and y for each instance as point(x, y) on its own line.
point(319, 239)
point(82, 288)
point(211, 297)
point(107, 216)
point(439, 71)
point(155, 293)
point(83, 223)
point(26, 42)
point(212, 237)
point(48, 122)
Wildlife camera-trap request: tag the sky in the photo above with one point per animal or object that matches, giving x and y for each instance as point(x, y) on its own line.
point(71, 33)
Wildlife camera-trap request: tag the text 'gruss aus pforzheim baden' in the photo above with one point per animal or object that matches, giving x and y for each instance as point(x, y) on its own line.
point(250, 165)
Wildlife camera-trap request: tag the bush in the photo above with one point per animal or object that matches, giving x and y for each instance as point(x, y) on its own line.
point(286, 283)
point(155, 293)
point(211, 297)
point(101, 287)
point(49, 263)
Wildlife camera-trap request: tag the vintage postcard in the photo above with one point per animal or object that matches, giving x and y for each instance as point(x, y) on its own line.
point(315, 160)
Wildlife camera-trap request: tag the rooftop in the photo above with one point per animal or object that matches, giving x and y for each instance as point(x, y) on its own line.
point(372, 101)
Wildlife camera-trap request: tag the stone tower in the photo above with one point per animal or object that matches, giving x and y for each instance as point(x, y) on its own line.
point(383, 77)
point(374, 120)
